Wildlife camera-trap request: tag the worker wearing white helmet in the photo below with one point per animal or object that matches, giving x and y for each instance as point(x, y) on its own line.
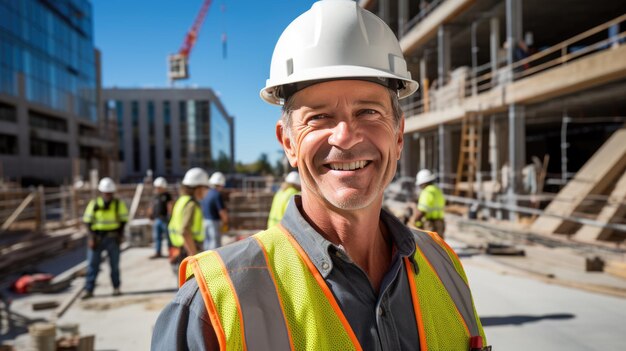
point(214, 212)
point(160, 213)
point(338, 272)
point(185, 227)
point(289, 188)
point(105, 218)
point(429, 214)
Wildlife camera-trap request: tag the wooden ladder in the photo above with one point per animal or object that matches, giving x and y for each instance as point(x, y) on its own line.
point(469, 155)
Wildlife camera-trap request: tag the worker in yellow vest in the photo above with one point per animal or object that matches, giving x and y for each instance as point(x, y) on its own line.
point(105, 218)
point(185, 227)
point(429, 214)
point(338, 272)
point(289, 188)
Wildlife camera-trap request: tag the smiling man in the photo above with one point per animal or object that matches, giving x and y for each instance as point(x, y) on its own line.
point(337, 272)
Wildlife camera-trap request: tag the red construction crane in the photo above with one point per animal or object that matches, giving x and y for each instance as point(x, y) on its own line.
point(179, 62)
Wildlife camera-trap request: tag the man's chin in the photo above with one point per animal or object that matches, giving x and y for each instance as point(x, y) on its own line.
point(350, 200)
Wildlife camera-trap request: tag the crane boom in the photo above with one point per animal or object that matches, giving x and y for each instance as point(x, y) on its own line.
point(192, 35)
point(178, 64)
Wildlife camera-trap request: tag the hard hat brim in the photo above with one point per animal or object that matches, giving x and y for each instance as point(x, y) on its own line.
point(344, 72)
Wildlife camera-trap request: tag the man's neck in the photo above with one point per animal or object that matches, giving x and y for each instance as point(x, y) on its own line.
point(361, 234)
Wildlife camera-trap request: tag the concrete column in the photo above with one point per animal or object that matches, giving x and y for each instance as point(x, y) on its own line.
point(445, 153)
point(494, 161)
point(403, 16)
point(159, 138)
point(494, 46)
point(443, 54)
point(513, 26)
point(422, 141)
point(383, 10)
point(144, 138)
point(517, 150)
point(424, 84)
point(177, 168)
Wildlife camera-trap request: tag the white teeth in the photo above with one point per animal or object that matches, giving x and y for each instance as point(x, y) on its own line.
point(348, 166)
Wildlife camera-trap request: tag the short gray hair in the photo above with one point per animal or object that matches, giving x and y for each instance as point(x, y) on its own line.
point(287, 110)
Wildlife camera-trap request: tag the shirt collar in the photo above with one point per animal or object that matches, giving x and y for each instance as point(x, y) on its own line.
point(317, 247)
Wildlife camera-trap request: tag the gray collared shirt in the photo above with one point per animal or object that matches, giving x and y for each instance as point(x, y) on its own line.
point(383, 321)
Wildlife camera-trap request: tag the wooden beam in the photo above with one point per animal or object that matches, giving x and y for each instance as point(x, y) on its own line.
point(614, 210)
point(17, 212)
point(598, 173)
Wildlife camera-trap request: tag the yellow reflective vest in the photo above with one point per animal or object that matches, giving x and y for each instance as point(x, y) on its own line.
point(265, 293)
point(431, 202)
point(279, 205)
point(100, 218)
point(175, 227)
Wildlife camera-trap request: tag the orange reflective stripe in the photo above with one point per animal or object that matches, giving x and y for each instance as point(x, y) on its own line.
point(232, 288)
point(456, 308)
point(280, 301)
point(416, 304)
point(322, 284)
point(209, 303)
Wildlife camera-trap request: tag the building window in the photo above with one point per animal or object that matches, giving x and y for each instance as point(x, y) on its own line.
point(119, 108)
point(8, 144)
point(40, 147)
point(8, 113)
point(40, 120)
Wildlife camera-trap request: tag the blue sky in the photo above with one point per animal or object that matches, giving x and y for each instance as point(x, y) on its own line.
point(136, 36)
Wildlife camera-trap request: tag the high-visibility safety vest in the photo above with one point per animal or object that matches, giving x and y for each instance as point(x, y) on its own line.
point(264, 293)
point(431, 202)
point(279, 205)
point(175, 227)
point(104, 219)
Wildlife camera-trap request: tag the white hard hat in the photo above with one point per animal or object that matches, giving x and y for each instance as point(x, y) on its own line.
point(293, 178)
point(424, 176)
point(196, 177)
point(217, 178)
point(160, 182)
point(106, 185)
point(336, 39)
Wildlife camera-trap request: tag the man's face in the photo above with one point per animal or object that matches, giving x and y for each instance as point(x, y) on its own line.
point(107, 196)
point(344, 141)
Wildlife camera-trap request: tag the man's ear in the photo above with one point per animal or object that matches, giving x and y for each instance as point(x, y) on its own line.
point(284, 139)
point(400, 138)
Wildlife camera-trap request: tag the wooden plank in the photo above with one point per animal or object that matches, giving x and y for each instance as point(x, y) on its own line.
point(17, 212)
point(612, 211)
point(598, 173)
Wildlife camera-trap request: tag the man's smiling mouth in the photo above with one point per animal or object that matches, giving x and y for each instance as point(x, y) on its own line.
point(347, 166)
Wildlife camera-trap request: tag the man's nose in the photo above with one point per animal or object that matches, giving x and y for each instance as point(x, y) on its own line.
point(345, 135)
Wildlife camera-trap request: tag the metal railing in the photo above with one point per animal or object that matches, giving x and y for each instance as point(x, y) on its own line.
point(472, 82)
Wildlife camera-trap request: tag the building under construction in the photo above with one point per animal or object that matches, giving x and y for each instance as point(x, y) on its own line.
point(521, 107)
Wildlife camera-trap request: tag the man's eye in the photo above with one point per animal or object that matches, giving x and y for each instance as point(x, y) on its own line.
point(368, 111)
point(317, 117)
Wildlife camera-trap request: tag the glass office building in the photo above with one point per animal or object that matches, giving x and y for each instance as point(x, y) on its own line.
point(49, 87)
point(51, 44)
point(169, 131)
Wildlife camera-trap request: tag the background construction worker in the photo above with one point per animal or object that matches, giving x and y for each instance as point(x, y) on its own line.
point(214, 212)
point(289, 188)
point(105, 218)
point(338, 272)
point(160, 213)
point(429, 214)
point(185, 227)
